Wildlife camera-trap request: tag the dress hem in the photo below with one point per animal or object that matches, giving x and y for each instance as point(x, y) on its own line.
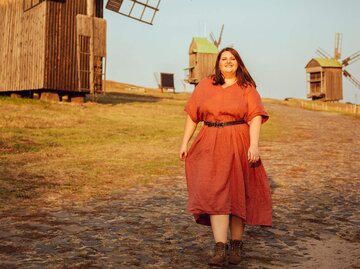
point(204, 218)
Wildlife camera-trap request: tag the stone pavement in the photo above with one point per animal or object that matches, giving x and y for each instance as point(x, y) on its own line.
point(314, 171)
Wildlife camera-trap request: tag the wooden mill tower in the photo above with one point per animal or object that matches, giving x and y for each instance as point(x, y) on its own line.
point(324, 74)
point(202, 58)
point(56, 49)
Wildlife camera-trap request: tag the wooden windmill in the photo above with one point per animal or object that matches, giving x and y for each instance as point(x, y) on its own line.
point(202, 57)
point(324, 74)
point(56, 49)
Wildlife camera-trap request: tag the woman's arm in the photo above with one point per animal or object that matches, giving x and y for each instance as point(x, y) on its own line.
point(189, 130)
point(255, 126)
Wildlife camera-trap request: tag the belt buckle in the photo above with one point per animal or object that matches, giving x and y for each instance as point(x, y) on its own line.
point(219, 124)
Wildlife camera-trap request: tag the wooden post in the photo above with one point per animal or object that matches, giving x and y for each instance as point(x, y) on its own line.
point(90, 12)
point(78, 60)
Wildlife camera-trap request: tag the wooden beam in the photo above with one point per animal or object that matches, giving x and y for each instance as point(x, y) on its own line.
point(90, 13)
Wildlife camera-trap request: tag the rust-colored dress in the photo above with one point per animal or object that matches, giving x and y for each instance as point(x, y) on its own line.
point(220, 179)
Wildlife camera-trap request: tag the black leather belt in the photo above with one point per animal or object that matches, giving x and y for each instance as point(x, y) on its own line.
point(222, 124)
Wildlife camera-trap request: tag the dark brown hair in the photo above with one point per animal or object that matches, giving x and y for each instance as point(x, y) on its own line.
point(243, 76)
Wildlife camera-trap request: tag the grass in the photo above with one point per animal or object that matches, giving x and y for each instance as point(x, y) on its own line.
point(60, 152)
point(318, 105)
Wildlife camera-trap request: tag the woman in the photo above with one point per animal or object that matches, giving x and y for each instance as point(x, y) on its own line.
point(227, 183)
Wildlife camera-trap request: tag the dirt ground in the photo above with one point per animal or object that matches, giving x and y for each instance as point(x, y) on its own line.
point(314, 171)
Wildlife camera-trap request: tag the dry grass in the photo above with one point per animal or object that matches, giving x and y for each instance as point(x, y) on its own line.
point(60, 152)
point(337, 107)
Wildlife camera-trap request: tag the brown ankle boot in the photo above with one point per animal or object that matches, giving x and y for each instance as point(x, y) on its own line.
point(235, 251)
point(220, 253)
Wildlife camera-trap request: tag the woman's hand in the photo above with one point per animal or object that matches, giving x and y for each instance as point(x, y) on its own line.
point(190, 127)
point(253, 154)
point(183, 152)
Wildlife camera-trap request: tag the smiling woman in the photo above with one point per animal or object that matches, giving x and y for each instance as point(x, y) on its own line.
point(226, 180)
point(228, 66)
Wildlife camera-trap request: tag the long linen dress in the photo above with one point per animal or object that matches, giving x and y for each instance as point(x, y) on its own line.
point(220, 179)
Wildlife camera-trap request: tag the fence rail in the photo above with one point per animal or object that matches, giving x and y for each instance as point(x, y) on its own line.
point(346, 108)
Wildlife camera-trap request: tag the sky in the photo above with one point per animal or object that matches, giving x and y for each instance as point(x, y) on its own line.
point(275, 39)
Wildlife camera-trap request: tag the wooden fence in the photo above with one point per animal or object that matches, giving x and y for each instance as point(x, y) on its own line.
point(346, 108)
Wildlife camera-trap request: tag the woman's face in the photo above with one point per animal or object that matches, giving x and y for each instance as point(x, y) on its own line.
point(228, 64)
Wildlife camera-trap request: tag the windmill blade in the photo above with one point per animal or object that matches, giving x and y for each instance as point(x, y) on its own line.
point(135, 9)
point(156, 75)
point(184, 84)
point(338, 44)
point(114, 5)
point(351, 59)
point(323, 53)
point(352, 79)
point(220, 36)
point(213, 38)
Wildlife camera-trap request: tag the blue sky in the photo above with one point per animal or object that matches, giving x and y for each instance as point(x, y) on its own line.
point(275, 38)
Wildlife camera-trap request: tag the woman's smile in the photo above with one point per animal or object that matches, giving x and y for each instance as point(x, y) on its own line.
point(228, 63)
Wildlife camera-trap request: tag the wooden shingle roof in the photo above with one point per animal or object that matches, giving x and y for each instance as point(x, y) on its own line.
point(202, 45)
point(323, 63)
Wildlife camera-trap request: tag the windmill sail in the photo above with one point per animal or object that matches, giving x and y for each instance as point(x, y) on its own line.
point(213, 39)
point(220, 36)
point(352, 79)
point(351, 59)
point(338, 44)
point(322, 53)
point(114, 5)
point(156, 75)
point(137, 10)
point(217, 42)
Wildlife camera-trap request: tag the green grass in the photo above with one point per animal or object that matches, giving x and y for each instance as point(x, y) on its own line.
point(55, 152)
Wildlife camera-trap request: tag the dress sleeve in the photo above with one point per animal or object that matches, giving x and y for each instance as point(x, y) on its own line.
point(192, 105)
point(255, 106)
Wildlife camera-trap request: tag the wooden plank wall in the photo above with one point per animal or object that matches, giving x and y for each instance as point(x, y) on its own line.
point(99, 37)
point(205, 65)
point(192, 61)
point(60, 51)
point(22, 46)
point(38, 46)
point(339, 81)
point(60, 65)
point(83, 27)
point(333, 84)
point(99, 12)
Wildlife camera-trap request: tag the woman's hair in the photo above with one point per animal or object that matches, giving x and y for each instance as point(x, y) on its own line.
point(243, 76)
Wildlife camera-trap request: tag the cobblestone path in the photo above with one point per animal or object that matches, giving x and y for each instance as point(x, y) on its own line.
point(314, 170)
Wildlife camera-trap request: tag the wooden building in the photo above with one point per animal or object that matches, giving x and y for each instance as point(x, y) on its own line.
point(324, 79)
point(52, 48)
point(202, 59)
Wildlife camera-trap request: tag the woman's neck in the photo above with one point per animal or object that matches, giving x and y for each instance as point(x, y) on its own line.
point(229, 77)
point(229, 80)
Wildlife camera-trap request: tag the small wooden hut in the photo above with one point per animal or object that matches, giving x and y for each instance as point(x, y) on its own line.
point(202, 59)
point(52, 48)
point(324, 79)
